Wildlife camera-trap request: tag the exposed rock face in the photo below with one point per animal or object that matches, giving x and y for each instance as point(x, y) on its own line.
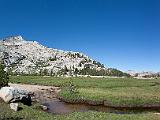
point(10, 94)
point(29, 57)
point(143, 74)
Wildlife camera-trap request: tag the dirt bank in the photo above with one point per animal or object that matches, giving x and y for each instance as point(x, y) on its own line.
point(110, 105)
point(40, 93)
point(35, 88)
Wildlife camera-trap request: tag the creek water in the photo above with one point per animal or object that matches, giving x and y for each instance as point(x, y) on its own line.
point(55, 106)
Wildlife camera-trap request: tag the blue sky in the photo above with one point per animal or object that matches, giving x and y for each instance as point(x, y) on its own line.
point(123, 34)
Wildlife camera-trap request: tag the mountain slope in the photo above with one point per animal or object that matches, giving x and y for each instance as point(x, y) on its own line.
point(30, 57)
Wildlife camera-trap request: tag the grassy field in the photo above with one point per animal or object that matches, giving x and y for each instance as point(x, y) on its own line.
point(116, 92)
point(86, 82)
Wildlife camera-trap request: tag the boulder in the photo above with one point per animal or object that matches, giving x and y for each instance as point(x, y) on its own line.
point(11, 94)
point(14, 106)
point(44, 108)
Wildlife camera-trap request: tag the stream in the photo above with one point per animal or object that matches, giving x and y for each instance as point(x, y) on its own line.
point(55, 106)
point(47, 97)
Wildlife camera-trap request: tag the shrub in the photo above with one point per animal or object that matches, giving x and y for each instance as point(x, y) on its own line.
point(52, 59)
point(3, 77)
point(71, 87)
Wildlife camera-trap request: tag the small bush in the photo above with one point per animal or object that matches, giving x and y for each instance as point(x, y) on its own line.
point(71, 87)
point(52, 59)
point(3, 77)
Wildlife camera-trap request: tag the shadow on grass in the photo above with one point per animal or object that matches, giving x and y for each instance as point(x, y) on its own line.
point(12, 118)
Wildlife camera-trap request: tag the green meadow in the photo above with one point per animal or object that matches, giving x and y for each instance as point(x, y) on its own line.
point(117, 92)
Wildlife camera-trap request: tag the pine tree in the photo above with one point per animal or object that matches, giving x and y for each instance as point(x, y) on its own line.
point(76, 71)
point(3, 77)
point(65, 69)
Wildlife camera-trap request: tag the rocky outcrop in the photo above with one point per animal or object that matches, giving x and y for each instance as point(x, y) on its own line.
point(143, 74)
point(10, 94)
point(30, 57)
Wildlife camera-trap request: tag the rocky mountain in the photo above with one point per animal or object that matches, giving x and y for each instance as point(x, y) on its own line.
point(147, 74)
point(29, 57)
